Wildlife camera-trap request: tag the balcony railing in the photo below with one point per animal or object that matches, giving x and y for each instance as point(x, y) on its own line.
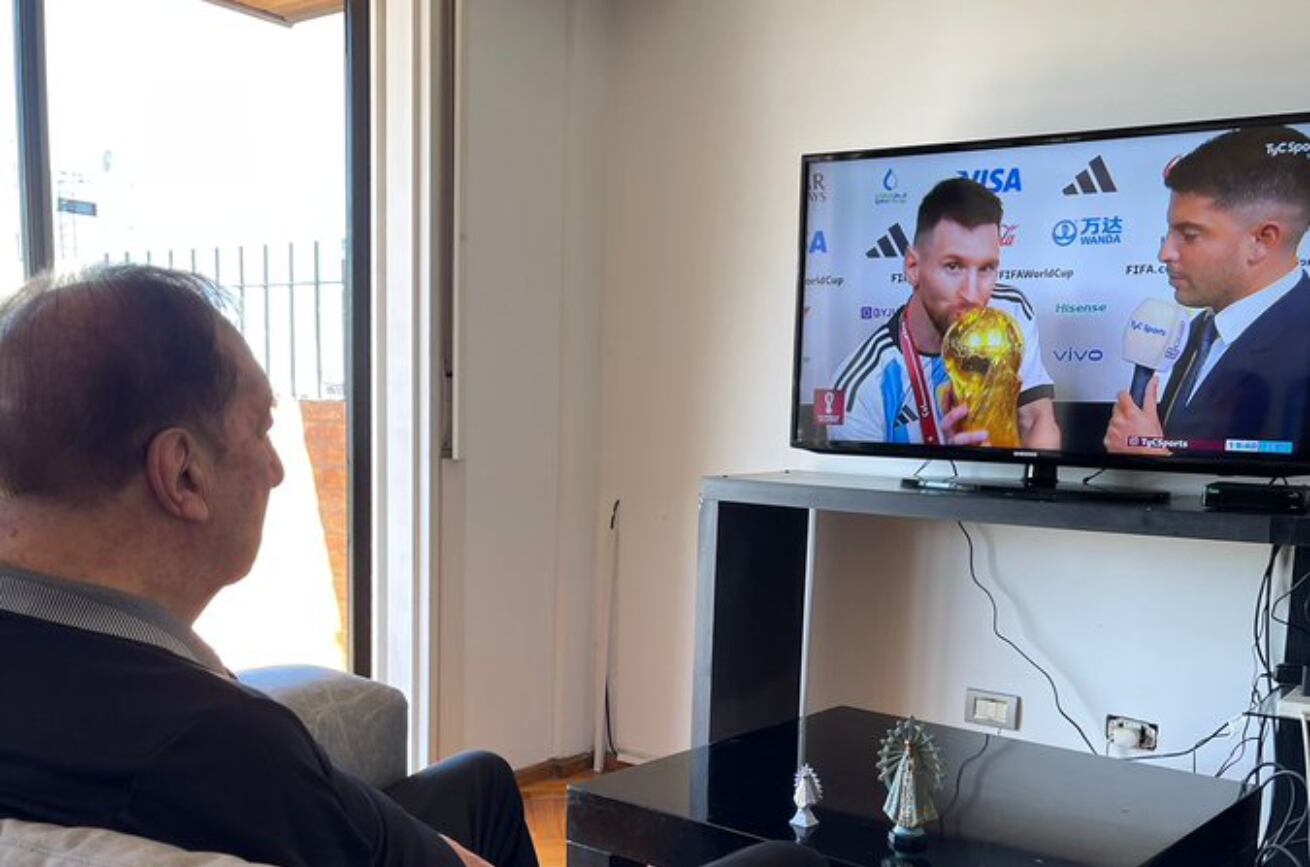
point(290, 307)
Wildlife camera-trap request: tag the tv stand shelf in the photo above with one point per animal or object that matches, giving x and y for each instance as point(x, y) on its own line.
point(1182, 517)
point(754, 531)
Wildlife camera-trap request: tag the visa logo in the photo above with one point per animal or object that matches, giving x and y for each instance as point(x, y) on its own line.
point(1138, 325)
point(996, 180)
point(818, 243)
point(1071, 354)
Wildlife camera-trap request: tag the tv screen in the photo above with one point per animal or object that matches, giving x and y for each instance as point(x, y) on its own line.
point(1130, 298)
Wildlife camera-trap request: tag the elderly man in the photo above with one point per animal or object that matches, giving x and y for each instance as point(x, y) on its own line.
point(135, 467)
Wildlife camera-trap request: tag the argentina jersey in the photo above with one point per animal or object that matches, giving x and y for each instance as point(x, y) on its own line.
point(877, 394)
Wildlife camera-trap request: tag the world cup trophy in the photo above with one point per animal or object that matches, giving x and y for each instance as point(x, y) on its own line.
point(982, 350)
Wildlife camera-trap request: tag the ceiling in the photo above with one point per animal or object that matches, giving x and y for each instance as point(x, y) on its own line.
point(286, 12)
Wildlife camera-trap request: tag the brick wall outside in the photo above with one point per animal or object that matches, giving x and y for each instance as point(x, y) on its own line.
point(325, 438)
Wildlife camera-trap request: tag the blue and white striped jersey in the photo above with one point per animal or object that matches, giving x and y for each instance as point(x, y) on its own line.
point(875, 383)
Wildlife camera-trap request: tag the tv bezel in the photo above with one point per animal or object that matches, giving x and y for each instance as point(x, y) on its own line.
point(1271, 466)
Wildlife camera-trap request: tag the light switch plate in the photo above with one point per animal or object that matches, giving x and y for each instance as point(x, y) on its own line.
point(996, 710)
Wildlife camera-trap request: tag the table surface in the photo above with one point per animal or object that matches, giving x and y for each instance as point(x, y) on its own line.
point(1015, 802)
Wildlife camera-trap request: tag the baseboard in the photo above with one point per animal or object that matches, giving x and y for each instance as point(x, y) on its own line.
point(568, 766)
point(553, 769)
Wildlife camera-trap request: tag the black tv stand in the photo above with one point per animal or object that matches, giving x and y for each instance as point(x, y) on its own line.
point(1040, 482)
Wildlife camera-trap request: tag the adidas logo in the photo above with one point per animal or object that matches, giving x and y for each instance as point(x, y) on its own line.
point(1086, 183)
point(890, 245)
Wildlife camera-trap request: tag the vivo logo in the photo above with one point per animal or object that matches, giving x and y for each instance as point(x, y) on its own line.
point(1148, 328)
point(1072, 354)
point(996, 180)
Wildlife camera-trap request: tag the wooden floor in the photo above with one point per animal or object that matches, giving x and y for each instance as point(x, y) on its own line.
point(545, 806)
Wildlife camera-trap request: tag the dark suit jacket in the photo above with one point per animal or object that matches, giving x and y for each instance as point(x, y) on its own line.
point(1260, 388)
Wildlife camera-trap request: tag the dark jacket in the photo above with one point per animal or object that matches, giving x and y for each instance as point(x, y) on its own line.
point(1260, 387)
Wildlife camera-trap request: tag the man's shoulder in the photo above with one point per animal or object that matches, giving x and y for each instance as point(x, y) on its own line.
point(124, 682)
point(1280, 328)
point(1012, 300)
point(868, 359)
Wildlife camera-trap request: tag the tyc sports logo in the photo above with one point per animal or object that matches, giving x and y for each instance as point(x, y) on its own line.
point(1003, 180)
point(889, 195)
point(890, 245)
point(1093, 179)
point(1090, 231)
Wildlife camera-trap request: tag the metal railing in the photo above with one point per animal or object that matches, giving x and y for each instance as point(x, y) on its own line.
point(290, 307)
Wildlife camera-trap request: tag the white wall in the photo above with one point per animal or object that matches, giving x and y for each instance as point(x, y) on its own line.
point(709, 107)
point(517, 505)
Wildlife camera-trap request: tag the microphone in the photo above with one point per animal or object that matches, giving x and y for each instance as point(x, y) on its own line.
point(1153, 341)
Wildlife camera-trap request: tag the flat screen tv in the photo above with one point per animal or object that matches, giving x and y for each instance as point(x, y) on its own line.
point(1132, 298)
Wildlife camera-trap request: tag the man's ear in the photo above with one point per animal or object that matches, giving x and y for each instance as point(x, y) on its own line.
point(177, 472)
point(1266, 238)
point(912, 266)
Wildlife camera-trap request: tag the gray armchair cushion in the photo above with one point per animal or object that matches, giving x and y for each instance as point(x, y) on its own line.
point(359, 723)
point(33, 844)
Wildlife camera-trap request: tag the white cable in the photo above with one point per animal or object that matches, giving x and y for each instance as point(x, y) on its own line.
point(1305, 748)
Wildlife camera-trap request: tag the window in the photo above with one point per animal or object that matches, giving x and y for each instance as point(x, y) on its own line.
point(186, 134)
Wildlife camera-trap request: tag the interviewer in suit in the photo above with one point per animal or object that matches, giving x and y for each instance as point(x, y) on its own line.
point(1238, 207)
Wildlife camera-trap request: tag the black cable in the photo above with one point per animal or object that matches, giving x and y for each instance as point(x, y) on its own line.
point(1262, 631)
point(1202, 742)
point(996, 630)
point(1087, 480)
point(959, 775)
point(955, 471)
point(609, 725)
point(1233, 760)
point(923, 466)
point(1281, 849)
point(1290, 590)
point(1275, 840)
point(609, 729)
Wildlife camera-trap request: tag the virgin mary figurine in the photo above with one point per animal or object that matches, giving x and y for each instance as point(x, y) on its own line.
point(910, 766)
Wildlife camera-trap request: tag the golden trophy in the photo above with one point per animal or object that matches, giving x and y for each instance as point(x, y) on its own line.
point(982, 350)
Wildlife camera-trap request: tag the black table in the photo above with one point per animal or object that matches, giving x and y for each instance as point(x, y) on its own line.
point(1016, 803)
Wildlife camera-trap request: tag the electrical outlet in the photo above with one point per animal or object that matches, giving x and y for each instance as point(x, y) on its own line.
point(995, 710)
point(1131, 734)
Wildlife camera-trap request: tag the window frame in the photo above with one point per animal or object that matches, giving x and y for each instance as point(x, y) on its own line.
point(37, 219)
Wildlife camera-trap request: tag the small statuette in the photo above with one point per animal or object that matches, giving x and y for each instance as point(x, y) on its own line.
point(809, 791)
point(910, 766)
